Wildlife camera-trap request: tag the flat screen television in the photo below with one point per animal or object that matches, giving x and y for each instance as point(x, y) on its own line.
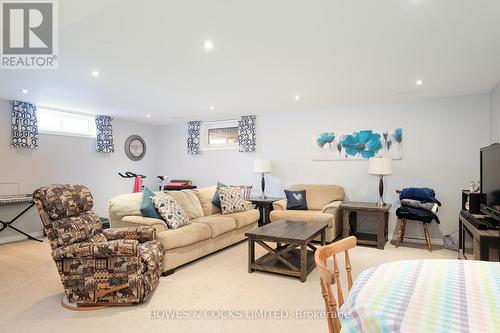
point(490, 181)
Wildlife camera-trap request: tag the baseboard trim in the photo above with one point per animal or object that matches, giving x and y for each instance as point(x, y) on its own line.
point(17, 238)
point(435, 241)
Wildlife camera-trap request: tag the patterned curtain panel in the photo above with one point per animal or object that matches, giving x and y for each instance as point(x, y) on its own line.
point(246, 134)
point(24, 129)
point(105, 143)
point(193, 139)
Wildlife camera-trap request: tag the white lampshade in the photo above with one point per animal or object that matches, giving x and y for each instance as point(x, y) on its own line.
point(380, 166)
point(262, 166)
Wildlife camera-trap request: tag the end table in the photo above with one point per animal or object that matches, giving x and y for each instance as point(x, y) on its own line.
point(265, 206)
point(350, 210)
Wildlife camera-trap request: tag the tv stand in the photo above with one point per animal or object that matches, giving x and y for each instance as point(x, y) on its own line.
point(476, 241)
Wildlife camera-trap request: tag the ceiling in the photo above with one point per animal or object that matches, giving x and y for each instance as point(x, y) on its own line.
point(330, 52)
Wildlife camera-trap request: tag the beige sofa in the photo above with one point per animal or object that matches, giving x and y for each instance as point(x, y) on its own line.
point(208, 232)
point(323, 203)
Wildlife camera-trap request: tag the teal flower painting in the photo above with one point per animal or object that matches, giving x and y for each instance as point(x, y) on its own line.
point(398, 135)
point(325, 138)
point(358, 145)
point(364, 143)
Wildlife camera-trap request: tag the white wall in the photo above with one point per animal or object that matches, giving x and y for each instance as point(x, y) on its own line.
point(442, 138)
point(495, 114)
point(64, 159)
point(441, 150)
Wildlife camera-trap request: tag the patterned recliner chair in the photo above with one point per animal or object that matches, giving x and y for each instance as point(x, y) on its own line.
point(100, 267)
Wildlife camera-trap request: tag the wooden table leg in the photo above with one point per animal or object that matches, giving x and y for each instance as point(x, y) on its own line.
point(303, 262)
point(251, 254)
point(323, 235)
point(260, 207)
point(386, 226)
point(267, 210)
point(345, 224)
point(381, 232)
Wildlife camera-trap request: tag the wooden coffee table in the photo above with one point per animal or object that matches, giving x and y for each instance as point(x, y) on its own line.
point(291, 256)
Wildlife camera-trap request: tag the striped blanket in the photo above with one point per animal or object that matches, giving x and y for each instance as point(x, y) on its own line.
point(425, 296)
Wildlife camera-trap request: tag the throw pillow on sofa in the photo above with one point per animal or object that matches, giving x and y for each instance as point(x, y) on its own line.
point(148, 209)
point(216, 199)
point(231, 200)
point(296, 200)
point(170, 211)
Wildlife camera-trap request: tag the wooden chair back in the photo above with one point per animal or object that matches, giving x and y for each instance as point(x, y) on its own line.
point(329, 277)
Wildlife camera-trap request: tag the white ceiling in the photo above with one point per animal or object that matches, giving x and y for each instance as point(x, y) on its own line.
point(332, 52)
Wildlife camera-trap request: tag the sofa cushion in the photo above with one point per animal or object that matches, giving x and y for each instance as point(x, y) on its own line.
point(218, 224)
point(302, 216)
point(206, 195)
point(318, 196)
point(245, 218)
point(147, 207)
point(187, 235)
point(171, 211)
point(189, 202)
point(124, 205)
point(231, 200)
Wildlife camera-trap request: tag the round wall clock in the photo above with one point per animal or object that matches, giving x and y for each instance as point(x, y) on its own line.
point(135, 147)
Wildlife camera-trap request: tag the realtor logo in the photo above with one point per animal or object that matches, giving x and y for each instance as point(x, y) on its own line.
point(29, 34)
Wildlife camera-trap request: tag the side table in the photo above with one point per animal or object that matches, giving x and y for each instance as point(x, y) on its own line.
point(104, 222)
point(350, 210)
point(265, 206)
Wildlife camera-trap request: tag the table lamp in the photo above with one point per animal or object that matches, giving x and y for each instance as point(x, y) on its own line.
point(262, 166)
point(380, 166)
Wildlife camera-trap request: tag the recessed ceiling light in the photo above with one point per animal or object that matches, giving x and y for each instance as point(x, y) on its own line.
point(419, 82)
point(24, 91)
point(212, 108)
point(95, 73)
point(148, 116)
point(296, 97)
point(208, 45)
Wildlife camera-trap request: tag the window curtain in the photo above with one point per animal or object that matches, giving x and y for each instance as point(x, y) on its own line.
point(193, 139)
point(246, 134)
point(104, 130)
point(24, 128)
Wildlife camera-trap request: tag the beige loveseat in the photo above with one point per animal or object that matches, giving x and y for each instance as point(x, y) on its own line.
point(323, 204)
point(208, 232)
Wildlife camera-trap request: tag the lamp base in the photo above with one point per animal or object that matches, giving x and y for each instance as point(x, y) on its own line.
point(381, 202)
point(263, 187)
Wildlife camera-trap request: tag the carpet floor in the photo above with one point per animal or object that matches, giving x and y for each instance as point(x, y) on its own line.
point(213, 294)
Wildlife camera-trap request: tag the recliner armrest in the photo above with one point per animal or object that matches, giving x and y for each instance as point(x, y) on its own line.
point(113, 248)
point(280, 204)
point(140, 233)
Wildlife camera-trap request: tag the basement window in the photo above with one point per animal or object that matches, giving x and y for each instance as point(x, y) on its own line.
point(65, 123)
point(219, 135)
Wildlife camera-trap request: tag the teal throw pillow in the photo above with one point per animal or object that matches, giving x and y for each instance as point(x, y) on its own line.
point(216, 198)
point(147, 207)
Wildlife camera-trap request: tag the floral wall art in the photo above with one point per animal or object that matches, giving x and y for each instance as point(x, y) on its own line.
point(358, 145)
